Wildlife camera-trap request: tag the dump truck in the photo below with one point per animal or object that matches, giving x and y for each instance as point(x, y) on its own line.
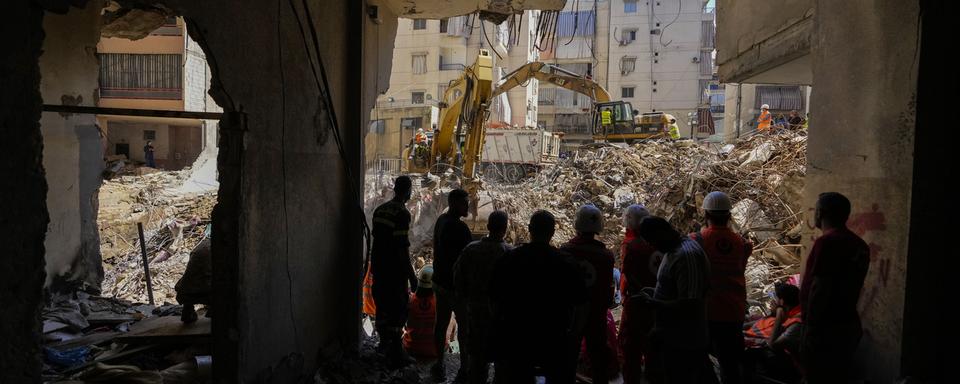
point(511, 155)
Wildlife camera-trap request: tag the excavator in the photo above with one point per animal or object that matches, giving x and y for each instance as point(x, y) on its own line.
point(624, 126)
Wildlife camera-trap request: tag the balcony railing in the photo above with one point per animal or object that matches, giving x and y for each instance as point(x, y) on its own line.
point(404, 103)
point(452, 67)
point(141, 93)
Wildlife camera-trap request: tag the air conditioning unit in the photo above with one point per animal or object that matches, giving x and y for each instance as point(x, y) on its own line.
point(655, 31)
point(695, 60)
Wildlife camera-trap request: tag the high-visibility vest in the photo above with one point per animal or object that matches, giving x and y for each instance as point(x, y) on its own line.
point(369, 307)
point(418, 333)
point(674, 131)
point(763, 328)
point(605, 118)
point(764, 121)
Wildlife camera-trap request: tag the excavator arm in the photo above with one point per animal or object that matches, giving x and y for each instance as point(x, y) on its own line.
point(464, 106)
point(554, 75)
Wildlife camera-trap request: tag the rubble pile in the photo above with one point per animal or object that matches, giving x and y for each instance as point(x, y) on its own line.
point(173, 225)
point(763, 175)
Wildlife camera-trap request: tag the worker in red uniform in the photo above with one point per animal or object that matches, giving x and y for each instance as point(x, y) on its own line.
point(418, 333)
point(727, 298)
point(596, 265)
point(829, 292)
point(640, 262)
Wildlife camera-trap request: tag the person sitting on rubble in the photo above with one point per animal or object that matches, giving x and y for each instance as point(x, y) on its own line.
point(795, 120)
point(196, 284)
point(773, 343)
point(533, 294)
point(418, 333)
point(471, 279)
point(596, 266)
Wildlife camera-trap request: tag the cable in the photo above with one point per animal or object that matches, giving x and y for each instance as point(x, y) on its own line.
point(483, 30)
point(679, 10)
point(283, 175)
point(322, 87)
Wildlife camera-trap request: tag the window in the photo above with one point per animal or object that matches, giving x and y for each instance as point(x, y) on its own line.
point(441, 91)
point(780, 98)
point(377, 126)
point(419, 63)
point(628, 36)
point(628, 64)
point(443, 25)
point(149, 134)
point(139, 76)
point(626, 92)
point(416, 98)
point(419, 24)
point(629, 6)
point(411, 122)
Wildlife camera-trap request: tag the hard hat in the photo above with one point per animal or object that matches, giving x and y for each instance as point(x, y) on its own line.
point(634, 215)
point(425, 279)
point(589, 219)
point(765, 106)
point(420, 130)
point(717, 201)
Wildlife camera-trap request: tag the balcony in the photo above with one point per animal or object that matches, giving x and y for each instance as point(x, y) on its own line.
point(405, 103)
point(452, 67)
point(141, 93)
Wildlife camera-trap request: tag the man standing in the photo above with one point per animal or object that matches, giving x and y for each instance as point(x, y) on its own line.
point(674, 128)
point(829, 291)
point(727, 252)
point(680, 326)
point(148, 154)
point(596, 265)
point(450, 236)
point(533, 295)
point(636, 320)
point(765, 119)
point(391, 269)
point(471, 278)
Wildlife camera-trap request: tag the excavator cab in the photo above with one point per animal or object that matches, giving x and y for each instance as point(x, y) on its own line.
point(621, 124)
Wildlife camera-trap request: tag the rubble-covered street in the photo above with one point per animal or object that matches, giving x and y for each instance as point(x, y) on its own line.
point(763, 174)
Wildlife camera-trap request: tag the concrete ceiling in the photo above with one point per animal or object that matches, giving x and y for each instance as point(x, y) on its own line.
point(438, 9)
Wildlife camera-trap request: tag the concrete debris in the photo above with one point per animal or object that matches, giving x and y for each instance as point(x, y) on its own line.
point(758, 155)
point(174, 223)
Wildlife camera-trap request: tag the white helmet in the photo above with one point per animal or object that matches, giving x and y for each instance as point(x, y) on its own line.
point(425, 279)
point(765, 106)
point(634, 215)
point(717, 201)
point(589, 219)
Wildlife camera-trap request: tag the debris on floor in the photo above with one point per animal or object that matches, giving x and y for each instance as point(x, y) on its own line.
point(174, 223)
point(100, 339)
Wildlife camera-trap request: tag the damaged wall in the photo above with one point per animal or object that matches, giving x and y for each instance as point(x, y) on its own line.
point(861, 144)
point(72, 153)
point(23, 202)
point(299, 241)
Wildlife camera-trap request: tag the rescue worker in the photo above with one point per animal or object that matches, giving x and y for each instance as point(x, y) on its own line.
point(596, 266)
point(674, 129)
point(418, 333)
point(640, 261)
point(196, 284)
point(391, 269)
point(606, 117)
point(472, 278)
point(533, 294)
point(795, 120)
point(450, 236)
point(727, 252)
point(679, 301)
point(773, 342)
point(829, 292)
point(369, 306)
point(148, 155)
point(765, 119)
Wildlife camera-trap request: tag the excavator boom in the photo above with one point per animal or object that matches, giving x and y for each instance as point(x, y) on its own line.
point(554, 75)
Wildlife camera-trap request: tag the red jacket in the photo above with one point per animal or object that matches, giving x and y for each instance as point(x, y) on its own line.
point(418, 333)
point(596, 263)
point(728, 253)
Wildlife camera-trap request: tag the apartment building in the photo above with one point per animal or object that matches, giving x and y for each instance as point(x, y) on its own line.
point(164, 71)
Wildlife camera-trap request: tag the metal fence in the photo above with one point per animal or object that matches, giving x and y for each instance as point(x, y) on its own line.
point(387, 166)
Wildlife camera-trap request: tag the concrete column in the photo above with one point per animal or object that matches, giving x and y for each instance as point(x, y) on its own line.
point(861, 144)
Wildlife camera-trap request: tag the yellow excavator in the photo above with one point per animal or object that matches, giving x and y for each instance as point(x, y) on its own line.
point(624, 125)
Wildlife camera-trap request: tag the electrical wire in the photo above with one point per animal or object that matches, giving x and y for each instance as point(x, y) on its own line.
point(283, 175)
point(664, 29)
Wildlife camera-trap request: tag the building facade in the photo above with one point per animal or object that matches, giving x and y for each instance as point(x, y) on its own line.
point(164, 71)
